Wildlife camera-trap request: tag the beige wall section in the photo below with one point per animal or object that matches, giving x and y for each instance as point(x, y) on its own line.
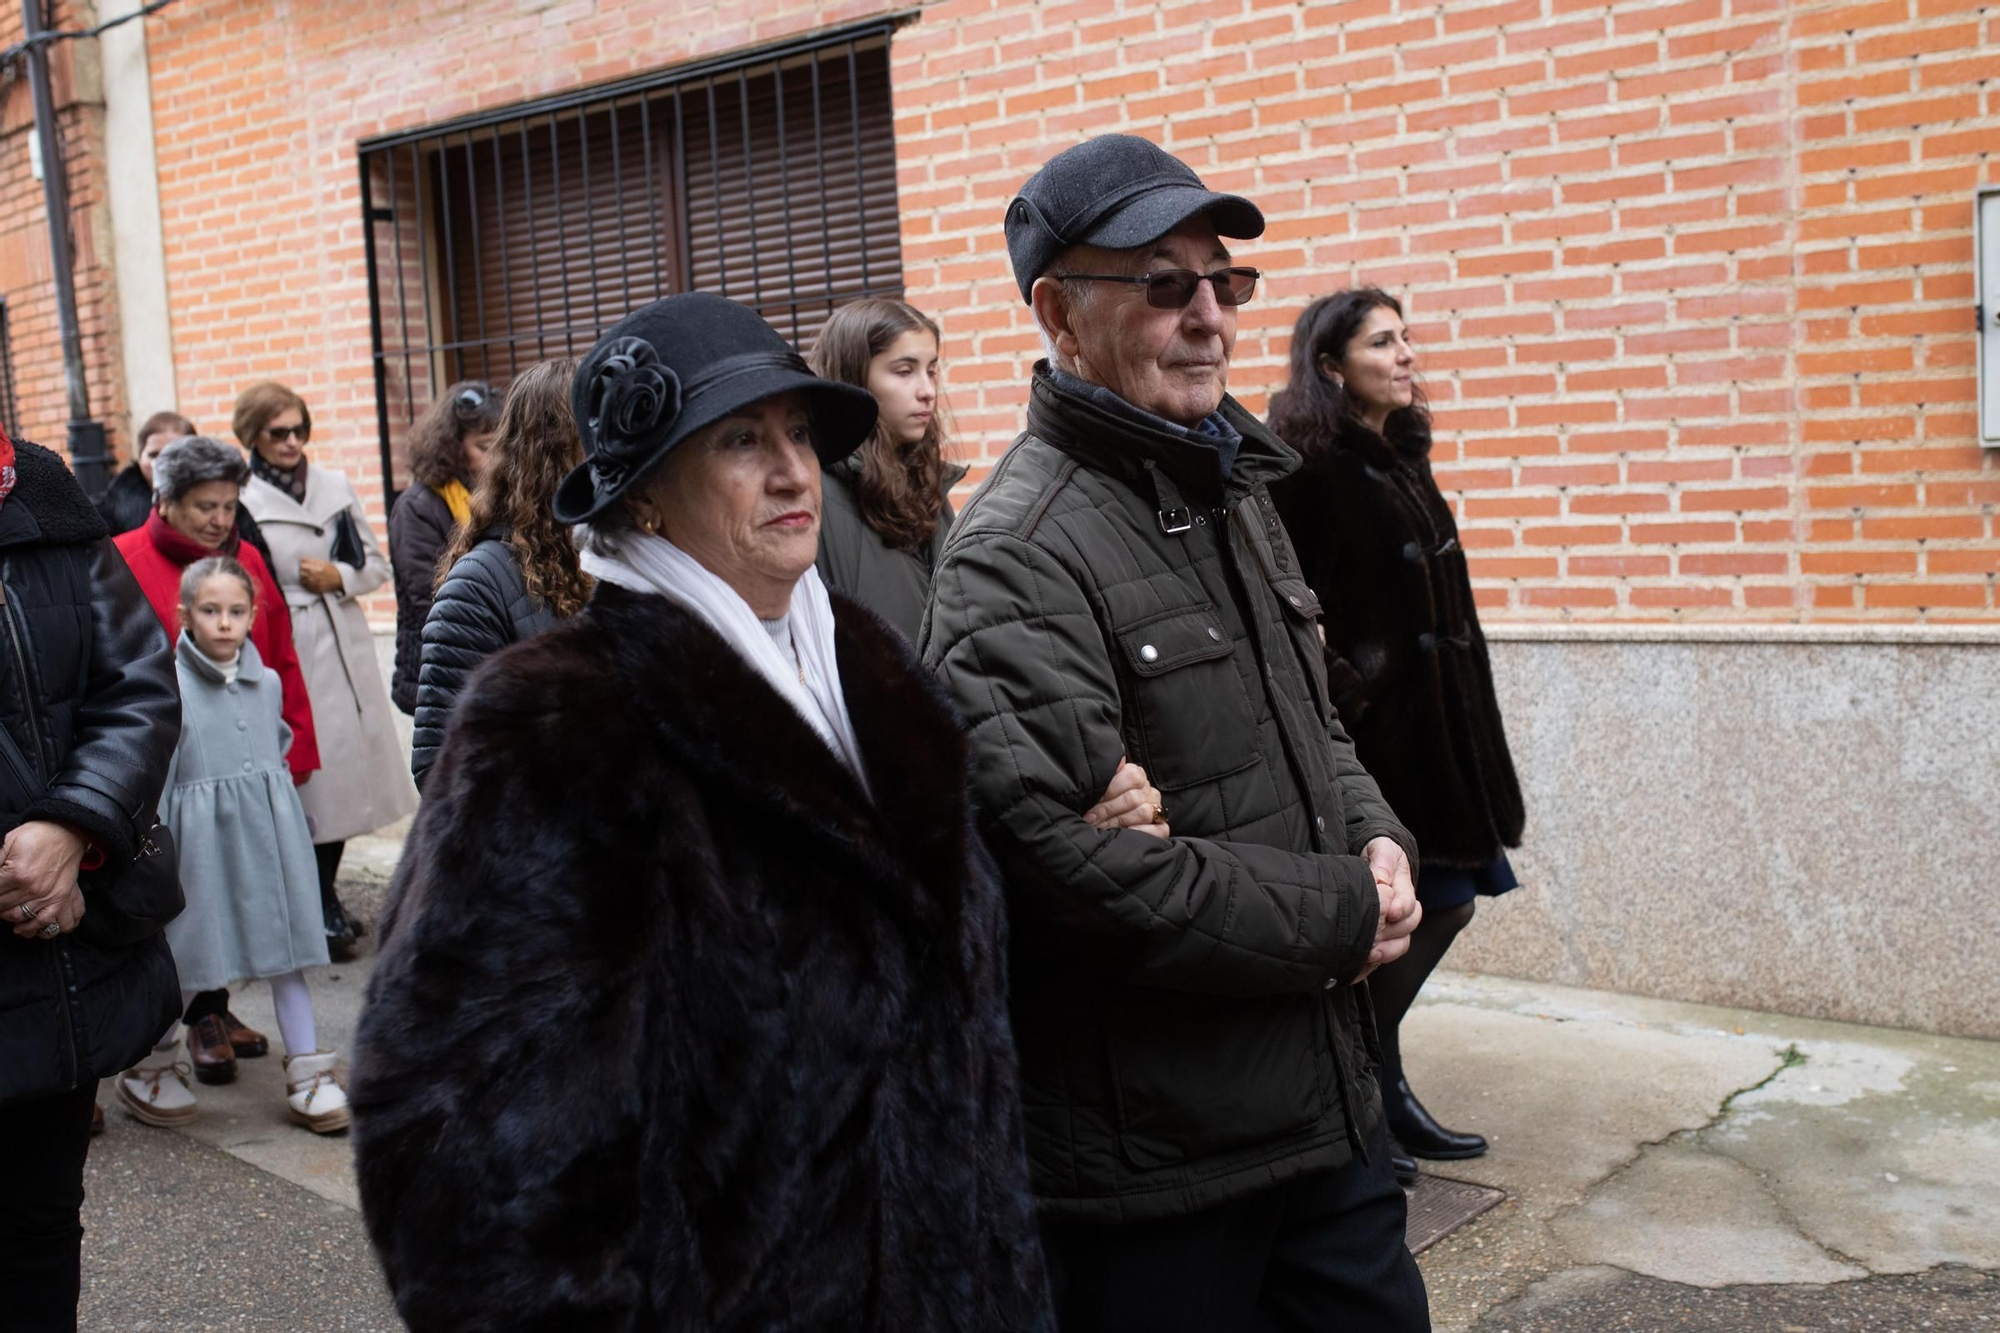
point(1805, 826)
point(138, 242)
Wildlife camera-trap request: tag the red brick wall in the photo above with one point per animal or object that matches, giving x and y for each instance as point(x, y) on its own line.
point(257, 110)
point(1692, 278)
point(26, 280)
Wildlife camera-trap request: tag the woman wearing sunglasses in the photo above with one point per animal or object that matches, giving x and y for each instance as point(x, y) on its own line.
point(326, 559)
point(448, 447)
point(1405, 660)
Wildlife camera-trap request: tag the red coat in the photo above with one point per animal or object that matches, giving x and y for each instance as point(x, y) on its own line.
point(158, 555)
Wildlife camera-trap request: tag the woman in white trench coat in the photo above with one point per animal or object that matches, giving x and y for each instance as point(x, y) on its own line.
point(325, 556)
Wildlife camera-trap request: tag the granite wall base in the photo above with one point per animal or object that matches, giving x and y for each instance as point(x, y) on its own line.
point(1811, 827)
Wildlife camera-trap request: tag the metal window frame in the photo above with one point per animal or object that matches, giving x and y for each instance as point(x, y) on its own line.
point(437, 262)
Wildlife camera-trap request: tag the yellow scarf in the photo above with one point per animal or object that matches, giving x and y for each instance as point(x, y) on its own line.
point(458, 500)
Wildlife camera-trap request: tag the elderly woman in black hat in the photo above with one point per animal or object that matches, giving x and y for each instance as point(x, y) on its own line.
point(691, 1010)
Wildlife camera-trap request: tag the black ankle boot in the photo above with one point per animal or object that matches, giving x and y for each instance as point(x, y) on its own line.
point(1421, 1136)
point(339, 931)
point(1404, 1166)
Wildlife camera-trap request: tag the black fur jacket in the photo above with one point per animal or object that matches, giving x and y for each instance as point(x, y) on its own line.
point(675, 1028)
point(1405, 659)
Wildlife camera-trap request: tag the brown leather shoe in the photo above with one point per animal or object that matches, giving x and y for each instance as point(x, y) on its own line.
point(96, 1121)
point(209, 1050)
point(247, 1042)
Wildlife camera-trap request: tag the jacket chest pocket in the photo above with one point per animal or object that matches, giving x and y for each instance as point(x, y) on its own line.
point(1188, 716)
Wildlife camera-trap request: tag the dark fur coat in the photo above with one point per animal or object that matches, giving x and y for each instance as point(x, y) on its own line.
point(1405, 659)
point(673, 1027)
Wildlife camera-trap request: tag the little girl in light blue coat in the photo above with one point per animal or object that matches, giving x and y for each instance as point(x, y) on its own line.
point(246, 853)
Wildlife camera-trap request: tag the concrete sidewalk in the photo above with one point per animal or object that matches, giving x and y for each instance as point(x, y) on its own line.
point(1668, 1168)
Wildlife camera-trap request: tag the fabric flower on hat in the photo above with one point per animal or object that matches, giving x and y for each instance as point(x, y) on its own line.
point(633, 402)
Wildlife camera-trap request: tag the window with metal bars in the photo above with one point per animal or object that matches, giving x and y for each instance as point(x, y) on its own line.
point(504, 238)
point(10, 411)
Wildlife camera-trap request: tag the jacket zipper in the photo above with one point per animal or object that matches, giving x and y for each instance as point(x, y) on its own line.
point(21, 666)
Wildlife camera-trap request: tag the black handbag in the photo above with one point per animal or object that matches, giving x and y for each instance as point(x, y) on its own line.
point(124, 906)
point(347, 546)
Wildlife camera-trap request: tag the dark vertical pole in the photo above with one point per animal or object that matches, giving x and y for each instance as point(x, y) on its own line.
point(860, 186)
point(785, 199)
point(750, 193)
point(86, 437)
point(375, 334)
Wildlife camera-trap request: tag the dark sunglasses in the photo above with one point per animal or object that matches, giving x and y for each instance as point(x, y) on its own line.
point(1174, 288)
point(469, 401)
point(278, 433)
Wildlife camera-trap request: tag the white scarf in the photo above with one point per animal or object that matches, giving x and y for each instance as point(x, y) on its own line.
point(645, 563)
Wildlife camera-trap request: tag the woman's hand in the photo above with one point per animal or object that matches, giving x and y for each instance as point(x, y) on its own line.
point(320, 576)
point(1130, 802)
point(38, 864)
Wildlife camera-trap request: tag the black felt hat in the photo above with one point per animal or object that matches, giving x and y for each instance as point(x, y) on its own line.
point(1117, 191)
point(673, 367)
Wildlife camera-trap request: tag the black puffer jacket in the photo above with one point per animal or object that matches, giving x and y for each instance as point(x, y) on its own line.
point(420, 527)
point(1404, 653)
point(91, 714)
point(482, 606)
point(1187, 1031)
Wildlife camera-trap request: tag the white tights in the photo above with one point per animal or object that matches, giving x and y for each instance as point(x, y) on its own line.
point(292, 999)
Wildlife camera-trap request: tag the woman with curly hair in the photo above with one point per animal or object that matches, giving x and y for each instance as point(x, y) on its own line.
point(448, 449)
point(886, 507)
point(511, 570)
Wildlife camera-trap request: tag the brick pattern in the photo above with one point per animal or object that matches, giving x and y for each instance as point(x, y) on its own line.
point(35, 339)
point(257, 111)
point(1692, 278)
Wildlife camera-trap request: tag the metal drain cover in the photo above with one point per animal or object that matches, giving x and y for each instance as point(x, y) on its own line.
point(1440, 1206)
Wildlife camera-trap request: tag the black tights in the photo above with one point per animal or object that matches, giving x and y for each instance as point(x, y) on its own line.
point(327, 854)
point(1394, 986)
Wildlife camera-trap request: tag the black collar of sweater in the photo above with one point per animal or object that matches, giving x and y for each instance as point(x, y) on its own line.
point(1404, 443)
point(47, 504)
point(1122, 442)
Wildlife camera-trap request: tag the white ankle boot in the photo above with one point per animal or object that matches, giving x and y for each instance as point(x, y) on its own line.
point(157, 1091)
point(314, 1095)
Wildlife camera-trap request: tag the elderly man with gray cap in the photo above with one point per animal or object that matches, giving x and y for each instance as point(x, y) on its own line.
point(1204, 1126)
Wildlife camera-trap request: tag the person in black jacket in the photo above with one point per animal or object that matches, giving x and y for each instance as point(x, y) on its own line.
point(1406, 661)
point(89, 717)
point(448, 447)
point(888, 505)
point(511, 571)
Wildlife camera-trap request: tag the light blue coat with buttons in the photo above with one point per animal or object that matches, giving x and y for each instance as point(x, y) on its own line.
point(246, 854)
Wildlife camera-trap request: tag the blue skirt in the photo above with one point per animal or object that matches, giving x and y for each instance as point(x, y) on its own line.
point(1439, 887)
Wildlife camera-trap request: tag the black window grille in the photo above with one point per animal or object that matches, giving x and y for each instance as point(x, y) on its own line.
point(504, 238)
point(10, 411)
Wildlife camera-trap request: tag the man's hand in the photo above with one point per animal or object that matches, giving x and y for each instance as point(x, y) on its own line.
point(321, 576)
point(38, 864)
point(1131, 801)
point(1400, 912)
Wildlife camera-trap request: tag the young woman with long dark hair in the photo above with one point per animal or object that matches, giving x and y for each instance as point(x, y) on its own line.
point(1406, 661)
point(886, 507)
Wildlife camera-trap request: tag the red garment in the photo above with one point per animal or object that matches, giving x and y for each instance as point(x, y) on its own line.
point(158, 554)
point(6, 465)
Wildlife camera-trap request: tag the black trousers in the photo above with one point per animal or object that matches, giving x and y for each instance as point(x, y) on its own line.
point(1323, 1252)
point(41, 1226)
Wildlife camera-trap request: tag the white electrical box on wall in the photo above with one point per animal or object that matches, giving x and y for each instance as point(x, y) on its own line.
point(1986, 255)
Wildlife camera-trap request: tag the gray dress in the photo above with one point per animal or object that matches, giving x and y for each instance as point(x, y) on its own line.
point(246, 855)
